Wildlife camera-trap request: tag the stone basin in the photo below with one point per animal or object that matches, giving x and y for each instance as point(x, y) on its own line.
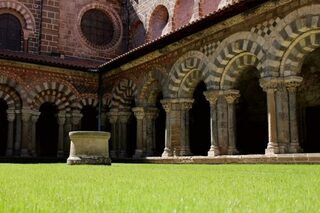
point(89, 147)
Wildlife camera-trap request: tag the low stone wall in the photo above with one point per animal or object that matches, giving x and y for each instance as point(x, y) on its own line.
point(89, 147)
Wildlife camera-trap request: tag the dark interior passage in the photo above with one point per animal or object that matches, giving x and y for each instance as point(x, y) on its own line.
point(160, 127)
point(312, 134)
point(3, 127)
point(89, 121)
point(199, 126)
point(47, 131)
point(251, 114)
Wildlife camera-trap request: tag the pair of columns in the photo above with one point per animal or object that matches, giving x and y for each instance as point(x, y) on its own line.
point(282, 114)
point(222, 121)
point(29, 118)
point(145, 131)
point(119, 122)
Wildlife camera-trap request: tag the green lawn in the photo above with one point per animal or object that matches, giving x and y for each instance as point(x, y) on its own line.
point(159, 188)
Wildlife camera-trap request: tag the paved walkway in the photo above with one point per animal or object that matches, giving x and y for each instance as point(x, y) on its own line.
point(305, 158)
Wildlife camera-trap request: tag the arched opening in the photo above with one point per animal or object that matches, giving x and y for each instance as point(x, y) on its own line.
point(158, 21)
point(10, 32)
point(160, 127)
point(251, 114)
point(137, 35)
point(183, 12)
point(308, 103)
point(47, 131)
point(89, 121)
point(3, 127)
point(199, 126)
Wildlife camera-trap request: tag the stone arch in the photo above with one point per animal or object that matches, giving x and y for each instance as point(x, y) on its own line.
point(11, 80)
point(64, 96)
point(10, 96)
point(295, 36)
point(158, 21)
point(137, 34)
point(183, 12)
point(186, 73)
point(123, 94)
point(88, 100)
point(152, 84)
point(239, 43)
point(22, 13)
point(234, 68)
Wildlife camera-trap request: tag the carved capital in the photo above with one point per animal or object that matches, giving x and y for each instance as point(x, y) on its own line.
point(292, 82)
point(152, 113)
point(11, 115)
point(124, 117)
point(139, 112)
point(212, 96)
point(232, 96)
point(35, 117)
point(76, 117)
point(61, 118)
point(113, 117)
point(269, 84)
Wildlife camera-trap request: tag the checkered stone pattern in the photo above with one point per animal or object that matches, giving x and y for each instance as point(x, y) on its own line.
point(209, 49)
point(266, 28)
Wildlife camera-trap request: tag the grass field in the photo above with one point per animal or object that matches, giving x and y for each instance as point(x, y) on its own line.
point(159, 188)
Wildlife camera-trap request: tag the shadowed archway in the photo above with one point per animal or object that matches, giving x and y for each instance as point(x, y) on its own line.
point(47, 131)
point(3, 127)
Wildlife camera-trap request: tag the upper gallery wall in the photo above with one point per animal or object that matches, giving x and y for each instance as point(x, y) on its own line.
point(148, 20)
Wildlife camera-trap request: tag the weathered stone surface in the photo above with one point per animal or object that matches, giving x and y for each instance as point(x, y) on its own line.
point(89, 148)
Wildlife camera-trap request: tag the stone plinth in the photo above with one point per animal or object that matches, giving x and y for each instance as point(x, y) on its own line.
point(89, 147)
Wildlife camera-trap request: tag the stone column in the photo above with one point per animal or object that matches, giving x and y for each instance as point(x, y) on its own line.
point(10, 117)
point(17, 143)
point(231, 97)
point(212, 97)
point(167, 152)
point(151, 115)
point(177, 126)
point(113, 119)
point(269, 85)
point(67, 129)
point(34, 119)
point(123, 119)
point(141, 133)
point(61, 122)
point(185, 105)
point(26, 136)
point(75, 120)
point(292, 83)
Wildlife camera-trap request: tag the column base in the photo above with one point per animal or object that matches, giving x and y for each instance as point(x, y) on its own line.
point(214, 151)
point(282, 149)
point(232, 151)
point(295, 148)
point(166, 153)
point(185, 151)
point(138, 154)
point(272, 150)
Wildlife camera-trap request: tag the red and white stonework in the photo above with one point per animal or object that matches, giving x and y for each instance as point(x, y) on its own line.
point(176, 77)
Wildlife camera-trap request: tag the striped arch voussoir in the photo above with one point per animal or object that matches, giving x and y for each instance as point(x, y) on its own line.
point(292, 39)
point(152, 84)
point(22, 10)
point(192, 67)
point(10, 96)
point(236, 66)
point(123, 94)
point(229, 52)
